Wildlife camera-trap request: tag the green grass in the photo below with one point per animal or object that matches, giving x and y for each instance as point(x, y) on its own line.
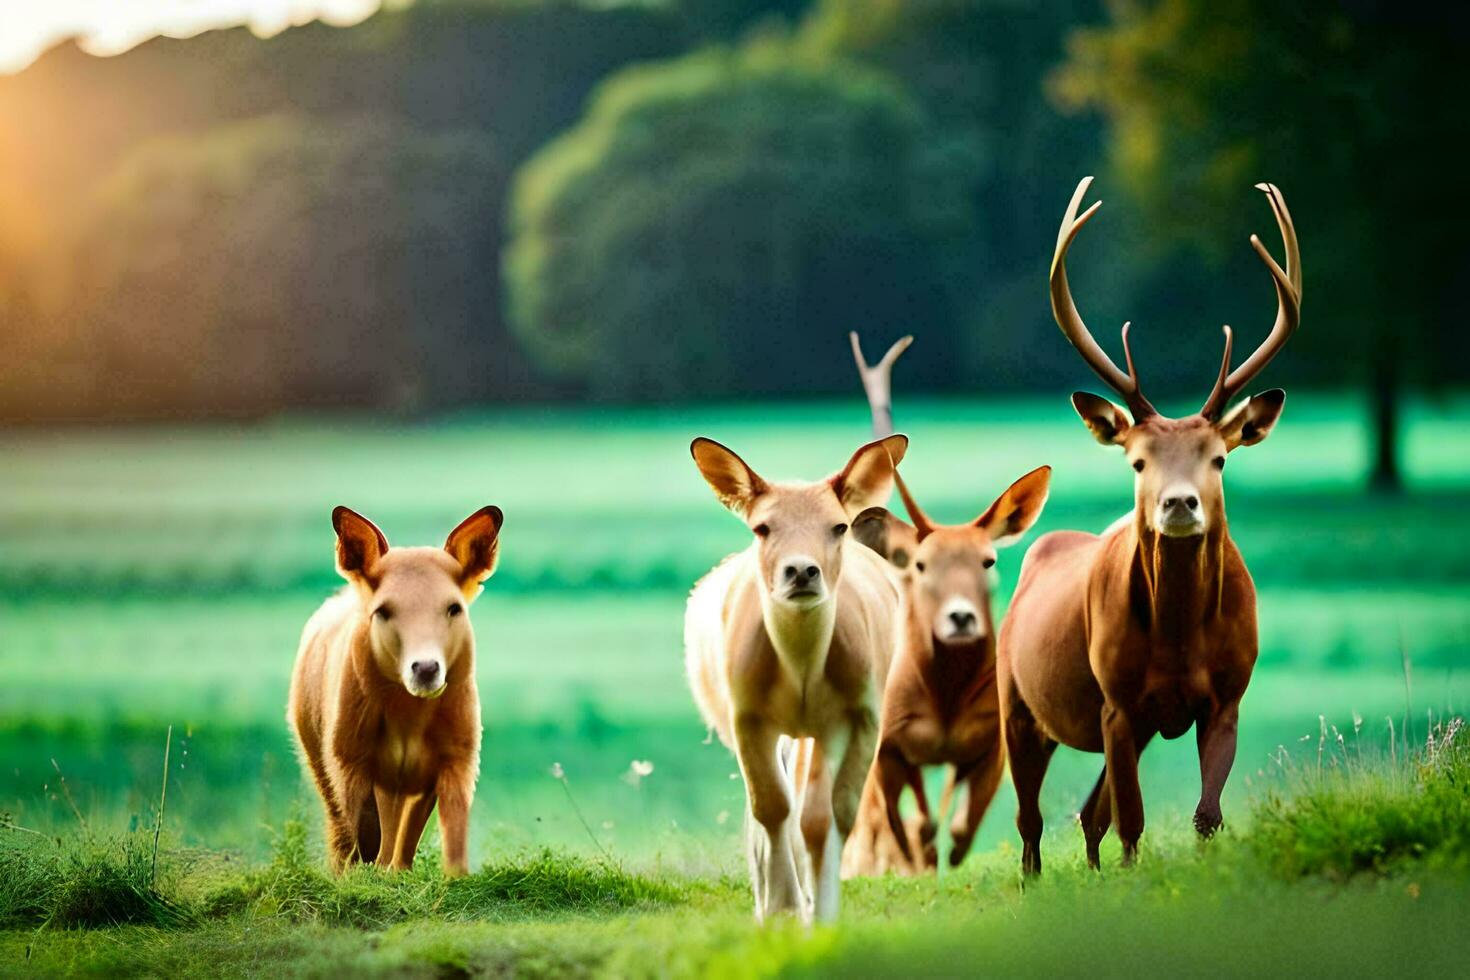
point(1232, 906)
point(160, 576)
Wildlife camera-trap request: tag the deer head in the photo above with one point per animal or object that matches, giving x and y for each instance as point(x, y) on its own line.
point(800, 528)
point(415, 598)
point(948, 580)
point(1178, 488)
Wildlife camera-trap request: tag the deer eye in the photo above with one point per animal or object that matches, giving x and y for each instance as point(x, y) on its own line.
point(762, 530)
point(1218, 462)
point(838, 530)
point(383, 613)
point(988, 563)
point(1138, 466)
point(455, 609)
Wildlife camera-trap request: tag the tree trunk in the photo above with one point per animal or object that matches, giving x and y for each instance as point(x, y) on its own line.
point(1385, 393)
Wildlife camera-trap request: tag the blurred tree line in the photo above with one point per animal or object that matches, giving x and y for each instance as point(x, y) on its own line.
point(468, 201)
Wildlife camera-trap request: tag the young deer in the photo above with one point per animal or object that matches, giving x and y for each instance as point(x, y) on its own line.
point(1150, 628)
point(790, 639)
point(383, 699)
point(940, 706)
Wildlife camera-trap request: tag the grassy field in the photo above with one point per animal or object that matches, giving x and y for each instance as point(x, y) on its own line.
point(159, 577)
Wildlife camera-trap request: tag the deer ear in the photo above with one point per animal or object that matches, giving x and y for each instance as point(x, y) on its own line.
point(887, 534)
point(1253, 420)
point(1017, 509)
point(867, 479)
point(475, 544)
point(735, 484)
point(360, 545)
point(1107, 422)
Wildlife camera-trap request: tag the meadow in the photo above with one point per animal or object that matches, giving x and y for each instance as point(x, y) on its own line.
point(158, 577)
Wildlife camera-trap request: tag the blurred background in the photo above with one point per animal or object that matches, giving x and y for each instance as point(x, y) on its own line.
point(432, 255)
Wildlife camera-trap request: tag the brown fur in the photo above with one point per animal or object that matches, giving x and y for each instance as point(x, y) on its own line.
point(789, 673)
point(1113, 639)
point(382, 753)
point(940, 706)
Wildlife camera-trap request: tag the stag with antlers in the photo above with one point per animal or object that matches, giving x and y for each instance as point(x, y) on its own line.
point(1151, 627)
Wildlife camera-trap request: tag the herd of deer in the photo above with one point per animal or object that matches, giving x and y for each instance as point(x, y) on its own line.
point(846, 649)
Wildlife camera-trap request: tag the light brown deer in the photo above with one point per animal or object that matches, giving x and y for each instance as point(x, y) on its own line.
point(791, 639)
point(1151, 627)
point(940, 706)
point(383, 700)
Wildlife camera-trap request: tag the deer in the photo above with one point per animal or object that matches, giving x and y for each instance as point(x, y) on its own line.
point(383, 702)
point(787, 645)
point(1149, 628)
point(940, 706)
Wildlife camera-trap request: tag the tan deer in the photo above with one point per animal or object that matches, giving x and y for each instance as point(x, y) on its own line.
point(940, 706)
point(791, 639)
point(1151, 627)
point(383, 700)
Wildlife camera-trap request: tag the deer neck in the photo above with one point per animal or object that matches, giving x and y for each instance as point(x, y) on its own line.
point(953, 672)
point(1179, 582)
point(801, 635)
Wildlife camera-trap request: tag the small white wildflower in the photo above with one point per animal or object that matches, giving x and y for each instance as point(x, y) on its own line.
point(638, 769)
point(557, 772)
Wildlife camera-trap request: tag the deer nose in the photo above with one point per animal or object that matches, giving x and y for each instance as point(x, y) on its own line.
point(963, 619)
point(801, 573)
point(425, 671)
point(1188, 501)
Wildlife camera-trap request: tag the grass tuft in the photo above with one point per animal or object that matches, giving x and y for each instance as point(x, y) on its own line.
point(295, 887)
point(84, 884)
point(1360, 815)
point(553, 882)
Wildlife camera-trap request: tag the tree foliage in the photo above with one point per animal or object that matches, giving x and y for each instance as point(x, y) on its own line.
point(1344, 107)
point(293, 262)
point(715, 224)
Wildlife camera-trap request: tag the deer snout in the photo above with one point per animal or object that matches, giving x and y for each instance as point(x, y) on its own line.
point(424, 675)
point(1179, 513)
point(800, 577)
point(958, 620)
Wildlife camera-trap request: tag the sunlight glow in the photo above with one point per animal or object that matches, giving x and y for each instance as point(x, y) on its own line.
point(108, 27)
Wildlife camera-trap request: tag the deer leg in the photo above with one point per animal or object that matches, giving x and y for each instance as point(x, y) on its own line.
point(391, 807)
point(1096, 815)
point(847, 756)
point(416, 812)
point(982, 783)
point(893, 776)
point(455, 790)
point(1120, 750)
point(818, 828)
point(927, 828)
point(1216, 736)
point(349, 827)
point(1029, 751)
point(777, 884)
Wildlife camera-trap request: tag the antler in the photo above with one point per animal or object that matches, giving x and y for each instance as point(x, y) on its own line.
point(1288, 310)
point(877, 382)
point(1070, 320)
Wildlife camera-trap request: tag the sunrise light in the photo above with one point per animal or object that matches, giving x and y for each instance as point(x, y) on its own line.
point(107, 27)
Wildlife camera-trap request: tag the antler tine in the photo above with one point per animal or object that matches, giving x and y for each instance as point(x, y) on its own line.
point(877, 381)
point(1067, 317)
point(1215, 404)
point(922, 524)
point(1288, 285)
